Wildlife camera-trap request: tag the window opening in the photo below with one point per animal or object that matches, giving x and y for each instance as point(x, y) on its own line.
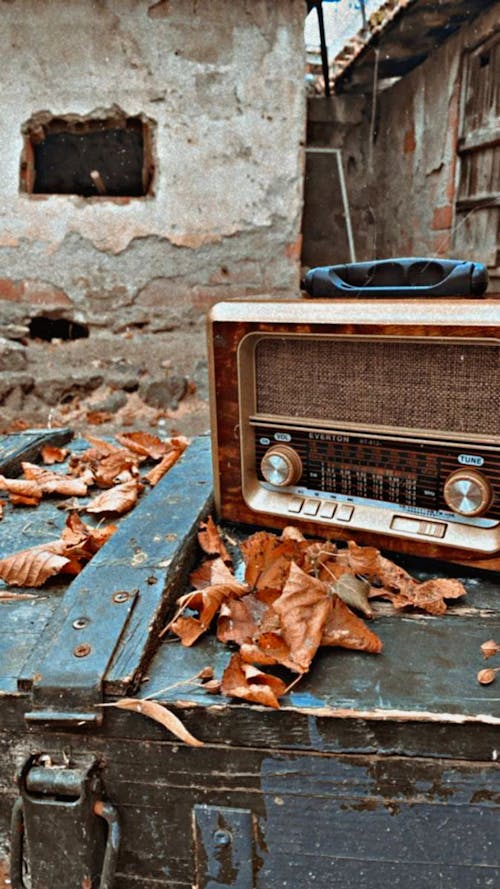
point(91, 157)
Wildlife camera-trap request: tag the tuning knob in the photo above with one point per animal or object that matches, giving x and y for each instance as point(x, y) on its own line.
point(467, 492)
point(281, 466)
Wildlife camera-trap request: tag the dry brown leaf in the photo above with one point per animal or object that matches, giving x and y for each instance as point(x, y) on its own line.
point(77, 535)
point(119, 499)
point(242, 680)
point(360, 559)
point(107, 470)
point(239, 619)
point(32, 567)
point(145, 444)
point(21, 491)
point(157, 472)
point(211, 542)
point(51, 454)
point(188, 629)
point(211, 572)
point(303, 609)
point(429, 596)
point(267, 560)
point(159, 713)
point(101, 446)
point(489, 649)
point(97, 418)
point(67, 555)
point(207, 603)
point(268, 649)
point(345, 629)
point(354, 592)
point(54, 482)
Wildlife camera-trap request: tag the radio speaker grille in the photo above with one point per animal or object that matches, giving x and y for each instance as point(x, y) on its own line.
point(452, 387)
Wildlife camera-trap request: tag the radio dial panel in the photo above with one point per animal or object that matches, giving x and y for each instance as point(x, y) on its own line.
point(467, 493)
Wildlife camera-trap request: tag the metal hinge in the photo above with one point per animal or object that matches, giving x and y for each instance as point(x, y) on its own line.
point(62, 832)
point(224, 847)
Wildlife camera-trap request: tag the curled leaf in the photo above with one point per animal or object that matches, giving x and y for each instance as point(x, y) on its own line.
point(303, 609)
point(486, 677)
point(354, 592)
point(51, 454)
point(241, 680)
point(119, 499)
point(21, 491)
point(54, 482)
point(145, 444)
point(345, 629)
point(211, 541)
point(489, 648)
point(32, 567)
point(159, 713)
point(207, 603)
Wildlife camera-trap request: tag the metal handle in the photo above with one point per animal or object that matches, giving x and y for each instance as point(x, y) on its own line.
point(399, 277)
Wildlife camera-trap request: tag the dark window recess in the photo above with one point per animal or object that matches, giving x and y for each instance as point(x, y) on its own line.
point(42, 328)
point(88, 158)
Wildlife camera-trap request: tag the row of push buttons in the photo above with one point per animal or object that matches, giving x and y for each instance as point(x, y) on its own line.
point(321, 509)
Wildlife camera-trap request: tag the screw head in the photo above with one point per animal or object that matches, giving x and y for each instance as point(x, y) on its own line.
point(82, 650)
point(121, 596)
point(222, 838)
point(80, 623)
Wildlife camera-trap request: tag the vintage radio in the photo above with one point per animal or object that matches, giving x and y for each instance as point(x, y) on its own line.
point(377, 420)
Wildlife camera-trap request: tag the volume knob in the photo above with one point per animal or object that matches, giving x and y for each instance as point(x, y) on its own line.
point(281, 466)
point(467, 492)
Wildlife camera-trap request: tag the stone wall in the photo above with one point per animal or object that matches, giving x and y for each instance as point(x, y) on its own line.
point(221, 85)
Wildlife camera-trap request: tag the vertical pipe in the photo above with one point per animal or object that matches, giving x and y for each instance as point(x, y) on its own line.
point(324, 50)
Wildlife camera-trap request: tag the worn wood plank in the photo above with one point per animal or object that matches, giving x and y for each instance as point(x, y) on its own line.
point(143, 561)
point(27, 446)
point(316, 815)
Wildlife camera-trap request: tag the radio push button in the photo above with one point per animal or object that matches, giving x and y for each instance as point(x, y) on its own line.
point(281, 466)
point(311, 507)
point(327, 510)
point(467, 492)
point(344, 513)
point(295, 504)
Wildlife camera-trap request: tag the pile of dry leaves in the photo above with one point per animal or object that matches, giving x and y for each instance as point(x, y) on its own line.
point(115, 469)
point(297, 595)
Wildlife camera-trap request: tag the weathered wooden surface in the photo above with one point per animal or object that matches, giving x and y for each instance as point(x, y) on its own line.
point(377, 769)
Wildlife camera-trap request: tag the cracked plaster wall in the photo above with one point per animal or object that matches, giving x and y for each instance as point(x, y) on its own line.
point(224, 84)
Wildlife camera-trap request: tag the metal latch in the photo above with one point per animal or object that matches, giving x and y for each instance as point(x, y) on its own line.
point(62, 832)
point(224, 847)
